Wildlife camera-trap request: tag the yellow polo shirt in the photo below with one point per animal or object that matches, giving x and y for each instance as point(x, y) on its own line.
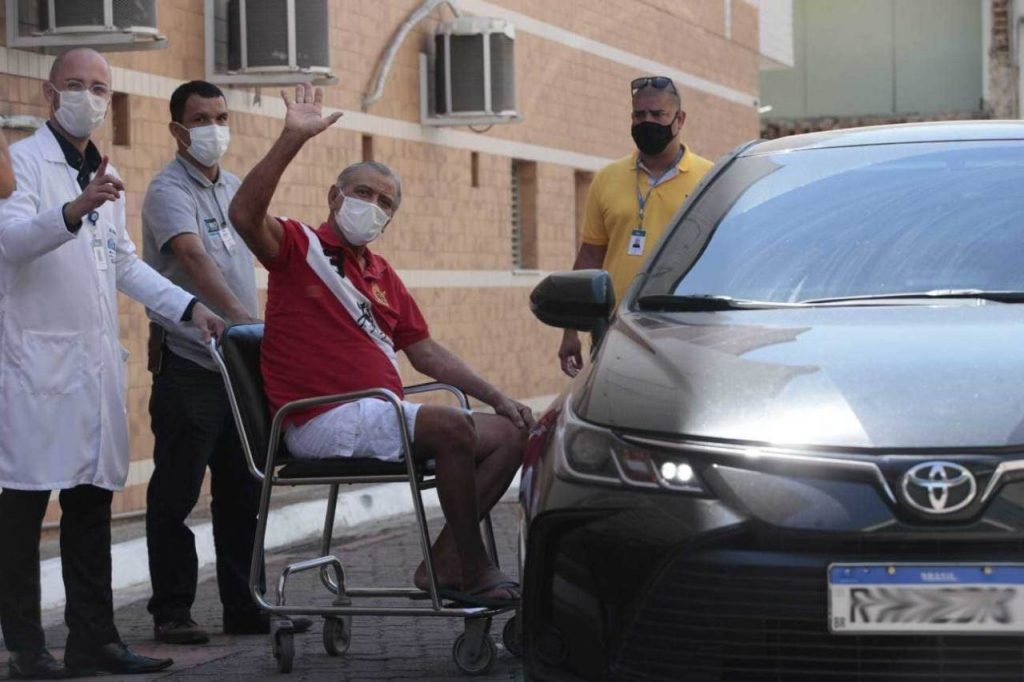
point(613, 211)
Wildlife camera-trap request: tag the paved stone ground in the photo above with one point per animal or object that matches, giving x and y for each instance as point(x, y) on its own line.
point(393, 648)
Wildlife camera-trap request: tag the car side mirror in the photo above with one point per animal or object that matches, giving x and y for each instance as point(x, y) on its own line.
point(579, 299)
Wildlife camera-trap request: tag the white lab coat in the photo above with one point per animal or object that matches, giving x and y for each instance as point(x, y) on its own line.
point(62, 403)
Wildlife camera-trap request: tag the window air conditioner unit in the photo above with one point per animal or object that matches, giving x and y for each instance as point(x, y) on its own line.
point(278, 36)
point(474, 72)
point(102, 24)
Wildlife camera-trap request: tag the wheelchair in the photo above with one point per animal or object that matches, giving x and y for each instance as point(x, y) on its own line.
point(237, 355)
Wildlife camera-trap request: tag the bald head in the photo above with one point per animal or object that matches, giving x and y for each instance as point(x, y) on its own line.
point(76, 73)
point(76, 59)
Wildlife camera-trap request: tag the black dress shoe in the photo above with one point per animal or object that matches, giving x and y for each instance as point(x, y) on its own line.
point(36, 665)
point(181, 631)
point(114, 658)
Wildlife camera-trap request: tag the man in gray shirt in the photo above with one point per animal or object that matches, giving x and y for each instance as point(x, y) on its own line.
point(187, 238)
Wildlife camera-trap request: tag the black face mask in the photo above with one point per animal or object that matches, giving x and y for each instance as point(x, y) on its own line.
point(651, 138)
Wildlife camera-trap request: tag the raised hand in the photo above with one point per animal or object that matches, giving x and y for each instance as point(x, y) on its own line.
point(102, 188)
point(305, 114)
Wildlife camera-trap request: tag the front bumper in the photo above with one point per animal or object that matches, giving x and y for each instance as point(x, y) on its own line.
point(623, 584)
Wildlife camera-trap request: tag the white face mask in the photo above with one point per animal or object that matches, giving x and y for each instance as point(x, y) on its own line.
point(80, 112)
point(360, 221)
point(209, 143)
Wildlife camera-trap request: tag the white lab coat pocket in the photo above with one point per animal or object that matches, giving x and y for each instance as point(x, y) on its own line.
point(50, 363)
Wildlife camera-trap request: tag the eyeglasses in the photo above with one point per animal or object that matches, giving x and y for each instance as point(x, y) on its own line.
point(656, 82)
point(98, 89)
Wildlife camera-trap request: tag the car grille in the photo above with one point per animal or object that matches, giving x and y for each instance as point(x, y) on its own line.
point(768, 622)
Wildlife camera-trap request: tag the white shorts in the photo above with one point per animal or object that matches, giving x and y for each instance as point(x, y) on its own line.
point(364, 428)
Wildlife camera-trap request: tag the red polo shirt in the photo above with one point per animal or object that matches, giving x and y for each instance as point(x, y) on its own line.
point(311, 345)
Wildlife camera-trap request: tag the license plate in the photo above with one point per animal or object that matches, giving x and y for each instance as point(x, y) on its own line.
point(926, 598)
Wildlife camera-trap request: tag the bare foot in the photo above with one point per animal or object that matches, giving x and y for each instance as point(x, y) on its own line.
point(447, 576)
point(446, 564)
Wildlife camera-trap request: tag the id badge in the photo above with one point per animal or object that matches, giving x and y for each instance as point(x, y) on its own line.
point(99, 254)
point(227, 238)
point(637, 239)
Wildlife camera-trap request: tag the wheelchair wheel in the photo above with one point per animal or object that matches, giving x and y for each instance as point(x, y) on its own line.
point(337, 635)
point(512, 637)
point(284, 650)
point(479, 664)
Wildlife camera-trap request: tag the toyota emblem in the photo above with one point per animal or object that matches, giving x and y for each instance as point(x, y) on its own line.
point(939, 487)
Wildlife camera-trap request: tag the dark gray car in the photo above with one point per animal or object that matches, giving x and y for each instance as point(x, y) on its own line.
point(798, 452)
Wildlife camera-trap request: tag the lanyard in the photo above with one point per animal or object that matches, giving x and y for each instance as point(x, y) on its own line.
point(220, 208)
point(641, 199)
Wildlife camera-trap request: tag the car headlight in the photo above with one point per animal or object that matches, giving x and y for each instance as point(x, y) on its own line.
point(594, 453)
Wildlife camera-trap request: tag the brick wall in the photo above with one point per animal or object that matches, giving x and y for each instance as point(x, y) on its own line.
point(573, 101)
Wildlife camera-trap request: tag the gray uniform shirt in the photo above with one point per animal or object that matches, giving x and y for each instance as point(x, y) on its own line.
point(180, 200)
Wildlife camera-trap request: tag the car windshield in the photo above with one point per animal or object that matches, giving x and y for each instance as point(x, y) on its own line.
point(852, 222)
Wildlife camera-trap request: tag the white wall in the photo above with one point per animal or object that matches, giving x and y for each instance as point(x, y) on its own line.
point(775, 24)
point(864, 57)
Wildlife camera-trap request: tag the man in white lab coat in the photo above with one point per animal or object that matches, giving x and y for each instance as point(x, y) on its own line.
point(64, 255)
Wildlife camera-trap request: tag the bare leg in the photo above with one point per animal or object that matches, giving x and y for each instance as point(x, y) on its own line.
point(499, 455)
point(475, 464)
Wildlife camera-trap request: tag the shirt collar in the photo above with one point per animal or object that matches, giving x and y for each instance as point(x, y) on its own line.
point(329, 238)
point(74, 158)
point(196, 174)
point(683, 164)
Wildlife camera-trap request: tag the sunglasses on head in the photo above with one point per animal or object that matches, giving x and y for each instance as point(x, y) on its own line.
point(656, 82)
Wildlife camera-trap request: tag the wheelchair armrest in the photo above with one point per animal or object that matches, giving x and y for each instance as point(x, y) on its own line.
point(277, 425)
point(339, 398)
point(431, 386)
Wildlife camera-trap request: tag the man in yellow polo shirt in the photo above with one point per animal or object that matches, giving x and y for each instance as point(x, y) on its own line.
point(632, 200)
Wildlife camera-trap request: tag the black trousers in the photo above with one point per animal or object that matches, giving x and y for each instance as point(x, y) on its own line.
point(193, 428)
point(85, 561)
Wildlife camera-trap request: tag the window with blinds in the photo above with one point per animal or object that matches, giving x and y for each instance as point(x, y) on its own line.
point(524, 215)
point(517, 224)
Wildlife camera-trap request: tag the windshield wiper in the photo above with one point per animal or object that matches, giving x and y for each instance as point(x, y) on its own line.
point(704, 302)
point(1001, 296)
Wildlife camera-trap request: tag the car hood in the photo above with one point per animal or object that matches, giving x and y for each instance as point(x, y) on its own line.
point(885, 376)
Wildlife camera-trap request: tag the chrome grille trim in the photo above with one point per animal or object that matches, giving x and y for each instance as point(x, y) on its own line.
point(755, 453)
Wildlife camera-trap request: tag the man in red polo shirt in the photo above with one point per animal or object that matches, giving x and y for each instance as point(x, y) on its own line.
point(336, 315)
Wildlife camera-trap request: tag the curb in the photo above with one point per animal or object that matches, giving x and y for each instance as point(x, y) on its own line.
point(287, 525)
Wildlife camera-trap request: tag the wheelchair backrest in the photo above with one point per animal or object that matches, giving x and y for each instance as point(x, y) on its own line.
point(240, 349)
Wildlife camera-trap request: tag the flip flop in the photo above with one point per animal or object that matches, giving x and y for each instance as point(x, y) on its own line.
point(476, 598)
point(425, 593)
